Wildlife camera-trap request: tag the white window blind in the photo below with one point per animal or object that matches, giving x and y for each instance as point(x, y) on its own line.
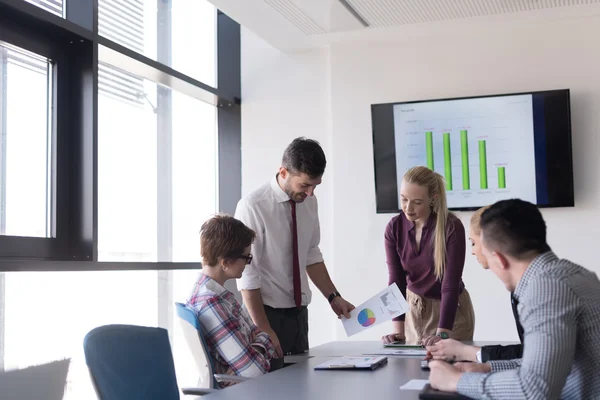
point(120, 85)
point(53, 6)
point(121, 21)
point(23, 58)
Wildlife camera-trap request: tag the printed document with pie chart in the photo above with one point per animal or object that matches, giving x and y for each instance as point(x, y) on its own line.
point(382, 307)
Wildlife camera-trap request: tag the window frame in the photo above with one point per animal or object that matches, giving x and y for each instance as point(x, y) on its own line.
point(74, 43)
point(47, 45)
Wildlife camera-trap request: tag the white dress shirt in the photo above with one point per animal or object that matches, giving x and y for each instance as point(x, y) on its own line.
point(268, 212)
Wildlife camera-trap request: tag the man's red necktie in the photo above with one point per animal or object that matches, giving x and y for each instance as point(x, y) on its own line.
point(296, 272)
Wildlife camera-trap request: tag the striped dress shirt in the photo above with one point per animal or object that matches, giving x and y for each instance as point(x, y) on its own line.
point(559, 307)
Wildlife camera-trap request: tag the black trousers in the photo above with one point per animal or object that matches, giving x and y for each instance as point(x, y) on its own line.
point(291, 327)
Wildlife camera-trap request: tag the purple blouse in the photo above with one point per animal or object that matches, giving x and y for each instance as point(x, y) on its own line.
point(412, 268)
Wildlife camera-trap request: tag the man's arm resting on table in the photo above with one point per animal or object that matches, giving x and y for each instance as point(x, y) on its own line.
point(504, 365)
point(550, 322)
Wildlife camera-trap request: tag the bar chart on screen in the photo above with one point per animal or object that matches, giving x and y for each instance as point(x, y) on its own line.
point(485, 152)
point(468, 158)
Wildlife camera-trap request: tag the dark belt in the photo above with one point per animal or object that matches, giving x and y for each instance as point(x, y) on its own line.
point(294, 311)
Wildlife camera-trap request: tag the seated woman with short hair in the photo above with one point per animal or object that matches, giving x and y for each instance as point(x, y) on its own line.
point(235, 343)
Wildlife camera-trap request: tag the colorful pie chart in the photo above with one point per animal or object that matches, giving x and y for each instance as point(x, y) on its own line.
point(366, 317)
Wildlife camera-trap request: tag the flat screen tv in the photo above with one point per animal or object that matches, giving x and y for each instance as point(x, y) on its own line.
point(487, 148)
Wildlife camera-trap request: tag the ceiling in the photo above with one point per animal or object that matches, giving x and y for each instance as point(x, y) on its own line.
point(290, 24)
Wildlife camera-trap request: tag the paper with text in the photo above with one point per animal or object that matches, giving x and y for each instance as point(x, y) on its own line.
point(399, 353)
point(415, 384)
point(382, 307)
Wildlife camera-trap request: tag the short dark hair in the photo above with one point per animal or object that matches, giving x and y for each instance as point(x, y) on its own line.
point(514, 227)
point(304, 156)
point(223, 237)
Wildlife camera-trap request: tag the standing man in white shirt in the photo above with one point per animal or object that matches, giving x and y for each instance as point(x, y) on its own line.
point(284, 215)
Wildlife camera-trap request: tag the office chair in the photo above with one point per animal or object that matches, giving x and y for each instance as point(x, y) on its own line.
point(128, 362)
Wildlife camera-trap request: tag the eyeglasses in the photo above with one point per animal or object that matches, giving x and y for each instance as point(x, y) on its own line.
point(248, 258)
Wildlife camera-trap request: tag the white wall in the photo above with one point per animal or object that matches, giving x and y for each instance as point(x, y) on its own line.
point(513, 59)
point(285, 96)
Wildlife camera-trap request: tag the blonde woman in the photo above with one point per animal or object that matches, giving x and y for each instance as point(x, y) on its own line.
point(454, 350)
point(474, 232)
point(425, 249)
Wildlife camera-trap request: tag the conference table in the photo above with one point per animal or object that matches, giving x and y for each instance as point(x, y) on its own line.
point(301, 381)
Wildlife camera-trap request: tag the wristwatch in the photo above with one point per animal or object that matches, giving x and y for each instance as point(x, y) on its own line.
point(333, 296)
point(478, 356)
point(443, 335)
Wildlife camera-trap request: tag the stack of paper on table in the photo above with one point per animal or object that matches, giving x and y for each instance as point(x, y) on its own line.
point(400, 352)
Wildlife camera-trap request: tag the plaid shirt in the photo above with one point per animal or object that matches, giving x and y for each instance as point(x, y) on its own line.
point(237, 346)
point(559, 307)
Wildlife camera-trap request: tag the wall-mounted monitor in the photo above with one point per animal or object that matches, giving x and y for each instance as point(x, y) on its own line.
point(487, 148)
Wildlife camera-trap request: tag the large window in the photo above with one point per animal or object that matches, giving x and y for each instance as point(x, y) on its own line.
point(127, 170)
point(25, 140)
point(106, 155)
point(191, 42)
point(157, 170)
point(194, 174)
point(115, 146)
point(157, 164)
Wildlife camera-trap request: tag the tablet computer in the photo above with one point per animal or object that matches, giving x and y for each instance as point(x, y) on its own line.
point(367, 363)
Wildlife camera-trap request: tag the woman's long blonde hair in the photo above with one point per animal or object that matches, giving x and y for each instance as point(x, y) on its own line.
point(434, 183)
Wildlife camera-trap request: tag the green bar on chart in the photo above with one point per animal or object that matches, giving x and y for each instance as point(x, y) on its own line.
point(447, 162)
point(429, 147)
point(483, 184)
point(464, 153)
point(501, 178)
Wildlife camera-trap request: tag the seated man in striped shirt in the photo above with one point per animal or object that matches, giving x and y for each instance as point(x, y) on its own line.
point(559, 309)
point(236, 345)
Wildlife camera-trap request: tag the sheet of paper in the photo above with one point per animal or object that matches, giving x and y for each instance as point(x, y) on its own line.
point(382, 307)
point(45, 381)
point(349, 362)
point(400, 352)
point(415, 384)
